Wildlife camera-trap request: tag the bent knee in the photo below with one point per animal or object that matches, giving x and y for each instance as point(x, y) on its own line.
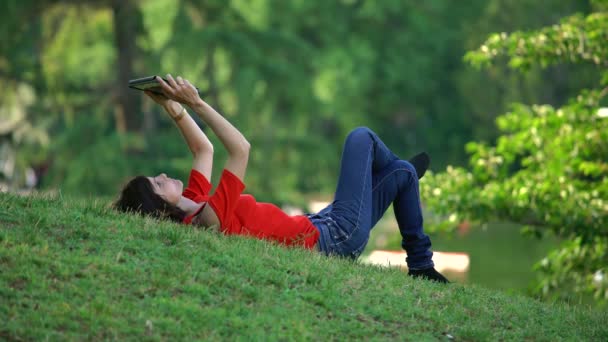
point(360, 132)
point(407, 166)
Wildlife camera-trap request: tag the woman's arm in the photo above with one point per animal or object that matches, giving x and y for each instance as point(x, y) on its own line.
point(198, 143)
point(235, 143)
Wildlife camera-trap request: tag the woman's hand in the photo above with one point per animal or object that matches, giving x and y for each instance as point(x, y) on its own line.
point(170, 106)
point(179, 90)
point(158, 98)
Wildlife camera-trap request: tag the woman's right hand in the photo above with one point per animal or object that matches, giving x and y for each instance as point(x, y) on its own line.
point(179, 90)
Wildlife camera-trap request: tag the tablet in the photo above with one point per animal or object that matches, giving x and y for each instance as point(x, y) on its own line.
point(149, 83)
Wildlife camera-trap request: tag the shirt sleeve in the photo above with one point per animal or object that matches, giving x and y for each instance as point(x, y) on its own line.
point(198, 187)
point(226, 196)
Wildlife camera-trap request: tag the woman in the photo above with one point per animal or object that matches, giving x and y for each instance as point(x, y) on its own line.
point(371, 178)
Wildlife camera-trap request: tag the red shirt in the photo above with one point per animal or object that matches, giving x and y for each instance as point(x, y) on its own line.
point(242, 215)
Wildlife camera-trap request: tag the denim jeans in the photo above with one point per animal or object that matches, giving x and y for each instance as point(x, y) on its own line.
point(371, 178)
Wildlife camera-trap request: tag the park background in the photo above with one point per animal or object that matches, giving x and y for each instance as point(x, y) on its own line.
point(296, 76)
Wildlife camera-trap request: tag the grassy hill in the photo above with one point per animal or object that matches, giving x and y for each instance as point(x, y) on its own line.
point(74, 269)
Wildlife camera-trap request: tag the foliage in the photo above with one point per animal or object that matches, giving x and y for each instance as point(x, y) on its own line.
point(16, 130)
point(576, 39)
point(293, 76)
point(83, 271)
point(548, 168)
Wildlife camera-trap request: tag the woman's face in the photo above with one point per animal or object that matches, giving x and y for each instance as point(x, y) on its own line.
point(168, 188)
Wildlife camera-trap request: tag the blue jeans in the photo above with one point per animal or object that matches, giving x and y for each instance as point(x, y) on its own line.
point(371, 178)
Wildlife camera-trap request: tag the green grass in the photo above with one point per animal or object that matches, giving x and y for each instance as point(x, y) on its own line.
point(73, 269)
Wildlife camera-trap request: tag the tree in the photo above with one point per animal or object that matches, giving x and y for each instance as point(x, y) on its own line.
point(548, 170)
point(294, 76)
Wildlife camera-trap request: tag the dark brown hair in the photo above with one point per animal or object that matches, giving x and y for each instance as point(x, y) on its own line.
point(138, 196)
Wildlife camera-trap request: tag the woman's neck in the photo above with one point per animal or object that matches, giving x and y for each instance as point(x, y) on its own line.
point(188, 206)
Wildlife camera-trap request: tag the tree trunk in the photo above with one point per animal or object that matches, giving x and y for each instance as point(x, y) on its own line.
point(127, 26)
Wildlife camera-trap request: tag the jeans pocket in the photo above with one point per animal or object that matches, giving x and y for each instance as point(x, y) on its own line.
point(338, 232)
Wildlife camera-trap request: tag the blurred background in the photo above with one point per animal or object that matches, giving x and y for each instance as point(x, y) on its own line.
point(295, 77)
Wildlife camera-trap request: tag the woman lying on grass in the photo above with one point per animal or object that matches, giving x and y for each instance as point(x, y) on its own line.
point(371, 178)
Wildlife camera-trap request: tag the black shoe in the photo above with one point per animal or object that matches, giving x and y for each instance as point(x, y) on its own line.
point(428, 274)
point(421, 163)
